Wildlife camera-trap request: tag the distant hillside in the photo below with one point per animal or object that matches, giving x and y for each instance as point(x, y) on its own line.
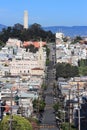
point(68, 31)
point(2, 26)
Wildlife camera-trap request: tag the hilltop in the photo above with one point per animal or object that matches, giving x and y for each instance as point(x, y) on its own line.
point(2, 26)
point(71, 31)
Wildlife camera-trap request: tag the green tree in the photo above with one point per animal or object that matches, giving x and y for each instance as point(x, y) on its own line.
point(44, 86)
point(66, 70)
point(74, 71)
point(35, 32)
point(83, 71)
point(39, 105)
point(35, 103)
point(82, 65)
point(31, 48)
point(59, 70)
point(2, 44)
point(65, 126)
point(82, 62)
point(77, 39)
point(47, 61)
point(47, 51)
point(18, 122)
point(56, 106)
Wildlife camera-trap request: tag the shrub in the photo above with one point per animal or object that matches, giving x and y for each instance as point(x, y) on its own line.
point(18, 122)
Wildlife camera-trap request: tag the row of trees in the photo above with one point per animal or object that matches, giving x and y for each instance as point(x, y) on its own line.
point(82, 62)
point(31, 48)
point(82, 65)
point(47, 54)
point(66, 70)
point(34, 32)
point(76, 39)
point(39, 105)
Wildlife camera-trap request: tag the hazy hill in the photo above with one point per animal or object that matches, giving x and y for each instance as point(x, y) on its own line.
point(2, 26)
point(69, 31)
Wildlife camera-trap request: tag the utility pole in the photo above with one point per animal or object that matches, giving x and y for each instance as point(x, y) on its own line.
point(69, 109)
point(78, 107)
point(0, 105)
point(20, 103)
point(11, 113)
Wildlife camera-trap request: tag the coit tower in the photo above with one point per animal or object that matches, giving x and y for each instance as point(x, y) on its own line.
point(25, 19)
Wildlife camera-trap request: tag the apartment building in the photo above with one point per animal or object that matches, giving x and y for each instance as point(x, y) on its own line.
point(71, 54)
point(14, 42)
point(22, 66)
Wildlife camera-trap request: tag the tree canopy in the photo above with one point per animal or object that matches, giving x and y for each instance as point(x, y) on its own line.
point(82, 65)
point(76, 39)
point(66, 70)
point(39, 105)
point(18, 122)
point(34, 32)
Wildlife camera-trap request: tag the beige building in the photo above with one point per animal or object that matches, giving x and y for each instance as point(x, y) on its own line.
point(37, 71)
point(22, 66)
point(12, 42)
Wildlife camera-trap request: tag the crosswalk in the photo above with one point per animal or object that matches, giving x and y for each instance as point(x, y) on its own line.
point(47, 126)
point(47, 107)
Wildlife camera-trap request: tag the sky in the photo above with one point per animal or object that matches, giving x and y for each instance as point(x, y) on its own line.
point(44, 12)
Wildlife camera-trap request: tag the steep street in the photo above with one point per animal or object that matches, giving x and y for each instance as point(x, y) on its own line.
point(48, 120)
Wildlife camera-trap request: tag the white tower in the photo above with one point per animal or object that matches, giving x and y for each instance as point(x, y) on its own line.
point(25, 19)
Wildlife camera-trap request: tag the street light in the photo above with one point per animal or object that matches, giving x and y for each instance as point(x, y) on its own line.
point(18, 95)
point(10, 121)
point(78, 107)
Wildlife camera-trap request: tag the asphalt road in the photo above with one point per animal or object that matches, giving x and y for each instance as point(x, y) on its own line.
point(48, 120)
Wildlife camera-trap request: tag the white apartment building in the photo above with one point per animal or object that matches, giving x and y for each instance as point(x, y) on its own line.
point(71, 54)
point(59, 38)
point(21, 62)
point(59, 35)
point(12, 42)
